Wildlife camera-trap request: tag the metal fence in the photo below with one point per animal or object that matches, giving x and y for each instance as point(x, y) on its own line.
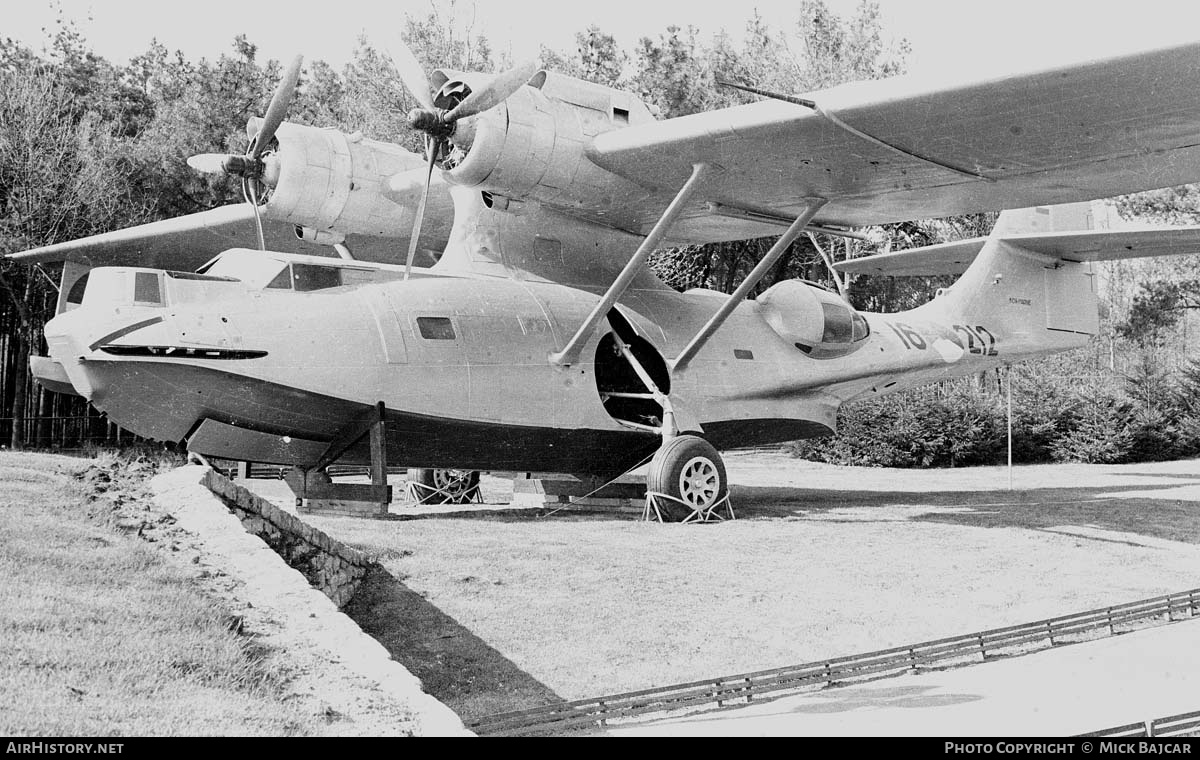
point(745, 688)
point(1175, 725)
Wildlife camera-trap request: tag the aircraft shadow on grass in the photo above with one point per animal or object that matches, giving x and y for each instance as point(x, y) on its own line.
point(455, 666)
point(1121, 509)
point(1116, 508)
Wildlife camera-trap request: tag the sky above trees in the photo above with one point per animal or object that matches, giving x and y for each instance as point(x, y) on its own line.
point(958, 34)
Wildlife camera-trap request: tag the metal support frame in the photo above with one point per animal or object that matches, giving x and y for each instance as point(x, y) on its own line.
point(669, 429)
point(813, 205)
point(711, 513)
point(825, 257)
point(417, 493)
point(570, 352)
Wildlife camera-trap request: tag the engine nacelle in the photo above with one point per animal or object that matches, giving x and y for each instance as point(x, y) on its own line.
point(812, 319)
point(331, 182)
point(532, 146)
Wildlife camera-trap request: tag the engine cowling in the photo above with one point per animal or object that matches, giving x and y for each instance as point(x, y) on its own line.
point(332, 182)
point(532, 146)
point(812, 319)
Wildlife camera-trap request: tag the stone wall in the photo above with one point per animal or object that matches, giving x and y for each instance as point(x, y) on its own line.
point(329, 565)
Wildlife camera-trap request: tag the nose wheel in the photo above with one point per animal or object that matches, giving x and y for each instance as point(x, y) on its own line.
point(687, 482)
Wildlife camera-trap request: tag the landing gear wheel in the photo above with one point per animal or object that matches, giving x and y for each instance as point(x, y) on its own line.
point(690, 472)
point(433, 486)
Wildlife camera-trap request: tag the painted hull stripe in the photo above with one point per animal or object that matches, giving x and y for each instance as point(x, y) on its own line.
point(123, 332)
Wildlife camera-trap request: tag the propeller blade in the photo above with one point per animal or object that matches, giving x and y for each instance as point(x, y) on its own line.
point(209, 163)
point(431, 147)
point(410, 71)
point(250, 192)
point(278, 108)
point(496, 91)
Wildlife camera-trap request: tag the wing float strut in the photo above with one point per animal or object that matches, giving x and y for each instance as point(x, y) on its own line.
point(570, 352)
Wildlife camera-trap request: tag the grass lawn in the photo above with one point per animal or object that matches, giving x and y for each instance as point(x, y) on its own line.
point(100, 636)
point(500, 611)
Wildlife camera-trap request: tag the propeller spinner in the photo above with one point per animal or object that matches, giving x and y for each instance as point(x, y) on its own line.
point(438, 123)
point(250, 167)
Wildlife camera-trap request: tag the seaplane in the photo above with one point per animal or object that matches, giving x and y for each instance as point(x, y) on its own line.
point(487, 306)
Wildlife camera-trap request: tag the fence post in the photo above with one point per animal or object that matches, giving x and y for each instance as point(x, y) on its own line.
point(1111, 630)
point(1050, 632)
point(982, 648)
point(912, 659)
point(829, 674)
point(749, 691)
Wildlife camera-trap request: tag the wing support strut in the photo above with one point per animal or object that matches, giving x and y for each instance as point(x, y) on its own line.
point(812, 206)
point(570, 352)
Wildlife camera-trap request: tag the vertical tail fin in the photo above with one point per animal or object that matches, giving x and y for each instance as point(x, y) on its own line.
point(1032, 302)
point(1066, 217)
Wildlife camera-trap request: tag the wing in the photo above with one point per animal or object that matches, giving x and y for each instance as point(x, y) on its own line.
point(187, 242)
point(905, 148)
point(954, 258)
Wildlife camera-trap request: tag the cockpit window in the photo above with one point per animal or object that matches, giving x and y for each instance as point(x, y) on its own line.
point(283, 280)
point(254, 270)
point(306, 277)
point(146, 288)
point(75, 294)
point(262, 270)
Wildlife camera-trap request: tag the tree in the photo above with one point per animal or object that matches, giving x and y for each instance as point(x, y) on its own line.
point(596, 59)
point(58, 181)
point(679, 74)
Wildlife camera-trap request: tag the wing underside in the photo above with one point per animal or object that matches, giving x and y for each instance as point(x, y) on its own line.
point(900, 149)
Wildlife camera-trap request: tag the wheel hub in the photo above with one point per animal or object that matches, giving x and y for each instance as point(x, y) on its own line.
point(452, 483)
point(699, 482)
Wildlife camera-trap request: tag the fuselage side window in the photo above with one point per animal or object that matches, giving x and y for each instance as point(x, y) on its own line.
point(435, 328)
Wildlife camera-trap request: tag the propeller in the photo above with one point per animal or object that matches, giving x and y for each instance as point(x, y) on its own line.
point(438, 123)
point(250, 166)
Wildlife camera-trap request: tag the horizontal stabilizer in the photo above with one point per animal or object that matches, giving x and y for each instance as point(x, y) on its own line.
point(1103, 245)
point(1110, 245)
point(943, 258)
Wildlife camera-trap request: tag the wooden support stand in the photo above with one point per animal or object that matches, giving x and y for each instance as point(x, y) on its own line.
point(316, 493)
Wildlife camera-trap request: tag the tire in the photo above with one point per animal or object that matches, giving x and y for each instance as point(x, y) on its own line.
point(687, 468)
point(440, 486)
